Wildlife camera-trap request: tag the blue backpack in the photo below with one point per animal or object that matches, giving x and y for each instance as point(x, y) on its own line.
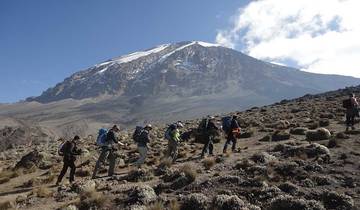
point(101, 139)
point(226, 124)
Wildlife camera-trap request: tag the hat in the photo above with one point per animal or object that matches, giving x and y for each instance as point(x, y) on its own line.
point(115, 127)
point(179, 124)
point(76, 137)
point(148, 126)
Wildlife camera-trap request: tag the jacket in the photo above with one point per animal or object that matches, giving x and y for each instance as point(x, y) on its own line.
point(70, 151)
point(144, 139)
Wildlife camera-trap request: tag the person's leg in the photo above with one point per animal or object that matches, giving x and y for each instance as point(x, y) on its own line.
point(168, 151)
point(352, 121)
point(348, 118)
point(211, 146)
point(63, 172)
point(175, 152)
point(72, 171)
point(112, 162)
point(102, 158)
point(205, 148)
point(233, 148)
point(142, 153)
point(226, 144)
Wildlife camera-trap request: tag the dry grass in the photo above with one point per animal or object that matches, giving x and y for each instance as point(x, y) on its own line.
point(189, 171)
point(209, 163)
point(6, 205)
point(6, 176)
point(183, 154)
point(42, 192)
point(174, 205)
point(158, 205)
point(91, 199)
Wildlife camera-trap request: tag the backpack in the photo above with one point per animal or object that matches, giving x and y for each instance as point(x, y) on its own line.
point(347, 103)
point(137, 133)
point(226, 124)
point(61, 148)
point(167, 134)
point(101, 138)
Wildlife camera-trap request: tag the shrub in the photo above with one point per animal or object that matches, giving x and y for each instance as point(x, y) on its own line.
point(91, 199)
point(189, 172)
point(209, 163)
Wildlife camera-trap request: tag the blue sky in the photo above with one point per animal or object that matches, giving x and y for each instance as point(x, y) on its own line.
point(44, 41)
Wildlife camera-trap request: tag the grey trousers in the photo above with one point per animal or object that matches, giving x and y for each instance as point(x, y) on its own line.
point(106, 153)
point(172, 150)
point(143, 154)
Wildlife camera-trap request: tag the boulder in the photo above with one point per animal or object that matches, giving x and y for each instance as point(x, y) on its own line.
point(141, 194)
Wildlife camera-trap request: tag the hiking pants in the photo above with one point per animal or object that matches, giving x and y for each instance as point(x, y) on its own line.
point(143, 154)
point(350, 117)
point(106, 153)
point(209, 146)
point(67, 163)
point(172, 150)
point(230, 138)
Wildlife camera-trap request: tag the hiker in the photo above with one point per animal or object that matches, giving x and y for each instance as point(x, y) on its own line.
point(232, 133)
point(352, 111)
point(142, 139)
point(172, 134)
point(209, 129)
point(69, 151)
point(108, 151)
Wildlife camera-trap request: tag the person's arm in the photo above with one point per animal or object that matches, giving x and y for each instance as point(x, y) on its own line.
point(112, 137)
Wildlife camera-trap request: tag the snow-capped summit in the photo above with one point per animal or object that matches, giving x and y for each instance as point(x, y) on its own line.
point(187, 69)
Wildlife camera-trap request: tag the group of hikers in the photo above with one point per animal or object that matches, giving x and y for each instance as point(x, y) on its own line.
point(141, 136)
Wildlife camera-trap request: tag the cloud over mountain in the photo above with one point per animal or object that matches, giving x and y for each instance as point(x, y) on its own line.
point(318, 36)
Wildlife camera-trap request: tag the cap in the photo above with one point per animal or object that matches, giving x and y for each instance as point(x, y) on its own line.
point(76, 137)
point(115, 127)
point(148, 126)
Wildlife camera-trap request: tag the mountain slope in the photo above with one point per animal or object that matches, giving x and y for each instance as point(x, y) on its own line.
point(190, 69)
point(170, 82)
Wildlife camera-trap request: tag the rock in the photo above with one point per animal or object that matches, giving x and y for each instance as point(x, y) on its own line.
point(195, 200)
point(227, 202)
point(312, 150)
point(299, 131)
point(334, 200)
point(81, 187)
point(142, 194)
point(318, 134)
point(30, 160)
point(263, 157)
point(180, 182)
point(70, 207)
point(332, 143)
point(288, 202)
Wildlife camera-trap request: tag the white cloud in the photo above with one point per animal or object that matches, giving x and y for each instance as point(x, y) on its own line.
point(321, 36)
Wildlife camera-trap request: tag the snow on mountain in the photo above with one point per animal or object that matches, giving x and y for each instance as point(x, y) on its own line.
point(196, 68)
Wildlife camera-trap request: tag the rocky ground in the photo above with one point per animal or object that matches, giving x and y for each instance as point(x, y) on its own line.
point(294, 154)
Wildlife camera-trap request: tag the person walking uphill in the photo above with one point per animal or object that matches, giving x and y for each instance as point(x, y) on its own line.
point(209, 131)
point(352, 111)
point(108, 151)
point(69, 151)
point(173, 136)
point(232, 134)
point(142, 138)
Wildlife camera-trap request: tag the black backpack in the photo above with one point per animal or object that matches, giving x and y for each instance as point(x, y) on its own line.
point(347, 103)
point(137, 134)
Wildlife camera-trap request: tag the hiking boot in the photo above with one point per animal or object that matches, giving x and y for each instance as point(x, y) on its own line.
point(352, 128)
